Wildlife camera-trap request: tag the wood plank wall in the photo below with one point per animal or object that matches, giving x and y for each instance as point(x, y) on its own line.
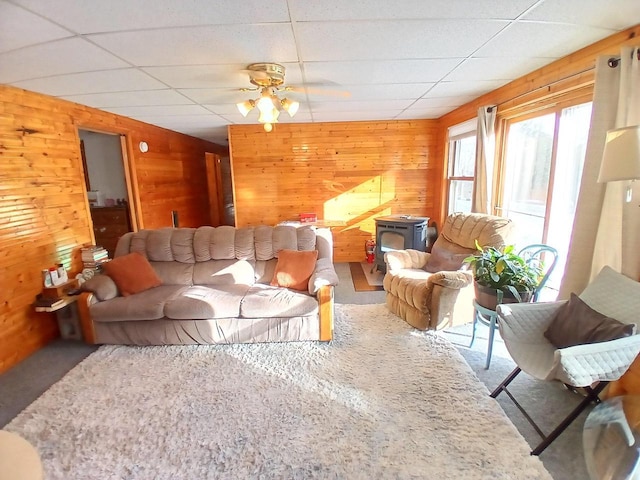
point(44, 216)
point(351, 172)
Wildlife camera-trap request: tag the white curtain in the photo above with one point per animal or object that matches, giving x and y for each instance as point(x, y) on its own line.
point(485, 151)
point(606, 229)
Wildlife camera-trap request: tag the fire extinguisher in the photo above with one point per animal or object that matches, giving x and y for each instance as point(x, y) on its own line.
point(370, 249)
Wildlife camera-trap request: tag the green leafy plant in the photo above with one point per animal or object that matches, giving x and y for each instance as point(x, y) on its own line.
point(503, 269)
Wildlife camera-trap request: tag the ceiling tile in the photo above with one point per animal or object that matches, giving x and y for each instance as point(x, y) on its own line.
point(496, 68)
point(387, 40)
point(304, 10)
point(119, 80)
point(131, 99)
point(540, 40)
point(115, 15)
point(618, 14)
point(470, 88)
point(368, 92)
point(373, 105)
point(192, 121)
point(154, 110)
point(235, 44)
point(423, 113)
point(20, 28)
point(354, 116)
point(382, 71)
point(214, 76)
point(56, 58)
point(448, 102)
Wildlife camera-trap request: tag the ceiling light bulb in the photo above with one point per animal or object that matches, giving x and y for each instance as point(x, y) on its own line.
point(270, 116)
point(265, 104)
point(246, 107)
point(290, 106)
point(268, 127)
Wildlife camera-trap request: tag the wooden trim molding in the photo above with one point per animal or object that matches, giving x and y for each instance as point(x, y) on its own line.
point(326, 313)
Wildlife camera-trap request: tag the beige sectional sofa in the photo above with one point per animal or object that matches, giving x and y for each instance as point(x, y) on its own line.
point(215, 289)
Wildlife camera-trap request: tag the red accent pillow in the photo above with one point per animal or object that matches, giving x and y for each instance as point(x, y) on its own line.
point(132, 273)
point(294, 268)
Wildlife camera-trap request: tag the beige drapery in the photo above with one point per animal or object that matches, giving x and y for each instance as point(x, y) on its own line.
point(485, 154)
point(606, 229)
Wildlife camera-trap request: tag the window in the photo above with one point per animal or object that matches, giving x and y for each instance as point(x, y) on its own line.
point(541, 178)
point(462, 160)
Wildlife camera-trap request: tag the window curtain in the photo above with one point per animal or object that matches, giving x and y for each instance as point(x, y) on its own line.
point(606, 229)
point(485, 151)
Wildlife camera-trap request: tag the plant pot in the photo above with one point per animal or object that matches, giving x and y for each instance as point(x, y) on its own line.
point(487, 297)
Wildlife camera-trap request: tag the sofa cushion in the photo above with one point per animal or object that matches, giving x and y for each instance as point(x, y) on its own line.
point(224, 272)
point(200, 302)
point(576, 323)
point(294, 269)
point(265, 270)
point(147, 305)
point(174, 273)
point(446, 256)
point(132, 273)
point(265, 301)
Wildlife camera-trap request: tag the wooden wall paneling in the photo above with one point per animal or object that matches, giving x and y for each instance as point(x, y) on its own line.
point(44, 214)
point(351, 172)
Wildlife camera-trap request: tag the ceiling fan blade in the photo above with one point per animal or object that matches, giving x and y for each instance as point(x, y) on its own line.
point(318, 91)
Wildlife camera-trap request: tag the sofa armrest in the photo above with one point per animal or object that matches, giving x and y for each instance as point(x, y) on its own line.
point(102, 287)
point(456, 280)
point(399, 259)
point(323, 275)
point(326, 312)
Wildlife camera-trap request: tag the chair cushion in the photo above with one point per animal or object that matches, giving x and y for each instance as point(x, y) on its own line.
point(132, 273)
point(449, 257)
point(576, 323)
point(294, 268)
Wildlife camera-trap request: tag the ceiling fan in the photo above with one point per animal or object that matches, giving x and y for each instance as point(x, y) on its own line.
point(268, 79)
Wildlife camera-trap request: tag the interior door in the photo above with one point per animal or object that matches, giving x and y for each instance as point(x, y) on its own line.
point(214, 184)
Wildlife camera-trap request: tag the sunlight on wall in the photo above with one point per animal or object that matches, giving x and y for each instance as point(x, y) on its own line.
point(359, 205)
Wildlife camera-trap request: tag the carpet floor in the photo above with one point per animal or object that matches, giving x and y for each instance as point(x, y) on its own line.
point(380, 401)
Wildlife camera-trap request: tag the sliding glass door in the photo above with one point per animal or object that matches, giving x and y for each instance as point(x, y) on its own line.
point(541, 177)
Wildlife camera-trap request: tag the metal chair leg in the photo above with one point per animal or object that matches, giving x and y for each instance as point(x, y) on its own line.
point(475, 326)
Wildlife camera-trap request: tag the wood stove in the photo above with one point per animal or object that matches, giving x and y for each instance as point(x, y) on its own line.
point(399, 232)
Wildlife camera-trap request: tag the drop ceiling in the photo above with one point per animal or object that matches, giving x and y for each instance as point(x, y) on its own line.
point(179, 64)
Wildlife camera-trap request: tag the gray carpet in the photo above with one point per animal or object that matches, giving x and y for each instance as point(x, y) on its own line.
point(545, 401)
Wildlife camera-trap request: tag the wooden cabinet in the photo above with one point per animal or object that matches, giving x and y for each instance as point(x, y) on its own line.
point(109, 224)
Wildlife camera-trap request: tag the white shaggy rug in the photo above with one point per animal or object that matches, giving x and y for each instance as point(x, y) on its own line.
point(380, 401)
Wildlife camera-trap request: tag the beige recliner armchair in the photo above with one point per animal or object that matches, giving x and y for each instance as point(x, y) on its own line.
point(423, 288)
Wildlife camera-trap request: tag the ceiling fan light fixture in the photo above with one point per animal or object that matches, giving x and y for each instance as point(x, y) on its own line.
point(246, 107)
point(290, 106)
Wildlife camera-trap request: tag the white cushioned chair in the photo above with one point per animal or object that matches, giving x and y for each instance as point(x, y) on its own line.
point(423, 288)
point(590, 366)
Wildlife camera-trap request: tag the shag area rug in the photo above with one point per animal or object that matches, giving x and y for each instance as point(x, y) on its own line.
point(382, 400)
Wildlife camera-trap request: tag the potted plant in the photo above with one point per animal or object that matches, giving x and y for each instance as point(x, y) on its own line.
point(502, 276)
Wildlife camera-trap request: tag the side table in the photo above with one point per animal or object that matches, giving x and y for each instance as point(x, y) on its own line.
point(67, 317)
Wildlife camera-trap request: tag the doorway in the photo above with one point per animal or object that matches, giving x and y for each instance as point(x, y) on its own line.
point(103, 156)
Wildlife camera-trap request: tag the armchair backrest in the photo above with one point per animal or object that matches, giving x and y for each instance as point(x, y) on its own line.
point(457, 239)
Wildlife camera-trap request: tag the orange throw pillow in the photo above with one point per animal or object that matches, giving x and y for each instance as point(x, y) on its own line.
point(132, 273)
point(294, 269)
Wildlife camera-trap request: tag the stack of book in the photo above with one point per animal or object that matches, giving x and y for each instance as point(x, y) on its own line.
point(93, 257)
point(47, 304)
